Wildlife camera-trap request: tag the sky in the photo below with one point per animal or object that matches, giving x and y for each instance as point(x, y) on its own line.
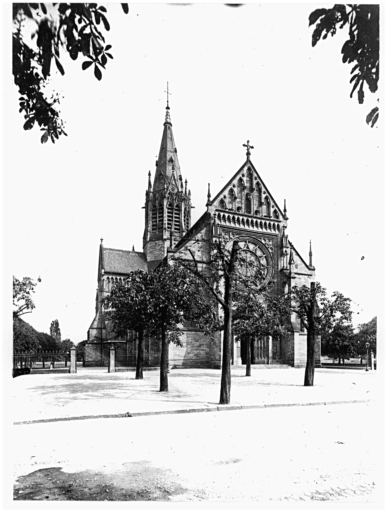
point(235, 74)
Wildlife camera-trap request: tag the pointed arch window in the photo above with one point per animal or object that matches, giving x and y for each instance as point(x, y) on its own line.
point(176, 217)
point(231, 198)
point(160, 215)
point(249, 180)
point(154, 217)
point(169, 214)
point(267, 207)
point(173, 215)
point(259, 194)
point(240, 189)
point(222, 204)
point(157, 215)
point(248, 204)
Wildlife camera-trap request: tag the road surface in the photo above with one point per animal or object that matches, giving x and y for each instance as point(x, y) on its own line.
point(323, 453)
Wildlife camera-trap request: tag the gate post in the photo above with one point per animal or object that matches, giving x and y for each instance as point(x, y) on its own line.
point(112, 360)
point(269, 350)
point(73, 360)
point(372, 360)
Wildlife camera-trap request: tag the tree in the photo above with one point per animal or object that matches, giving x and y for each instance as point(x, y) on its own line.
point(159, 302)
point(361, 48)
point(48, 343)
point(22, 296)
point(218, 277)
point(256, 316)
point(366, 334)
point(74, 28)
point(55, 330)
point(174, 301)
point(66, 345)
point(131, 310)
point(81, 350)
point(25, 337)
point(227, 268)
point(339, 342)
point(317, 312)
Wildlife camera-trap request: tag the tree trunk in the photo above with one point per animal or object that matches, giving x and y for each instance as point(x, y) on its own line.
point(225, 382)
point(310, 342)
point(311, 338)
point(248, 356)
point(140, 355)
point(164, 360)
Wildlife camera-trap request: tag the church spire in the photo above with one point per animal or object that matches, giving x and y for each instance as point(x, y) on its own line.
point(167, 160)
point(167, 206)
point(167, 114)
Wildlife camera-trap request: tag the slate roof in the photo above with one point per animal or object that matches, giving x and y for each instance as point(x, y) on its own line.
point(116, 261)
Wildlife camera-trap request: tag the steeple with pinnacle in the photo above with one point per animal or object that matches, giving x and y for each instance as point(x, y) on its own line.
point(167, 204)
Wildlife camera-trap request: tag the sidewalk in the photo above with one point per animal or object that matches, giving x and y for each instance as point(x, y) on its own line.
point(93, 392)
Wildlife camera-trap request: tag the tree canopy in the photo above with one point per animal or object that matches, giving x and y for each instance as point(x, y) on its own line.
point(367, 333)
point(22, 296)
point(40, 33)
point(25, 337)
point(339, 342)
point(28, 339)
point(317, 312)
point(130, 307)
point(361, 48)
point(55, 330)
point(229, 268)
point(158, 302)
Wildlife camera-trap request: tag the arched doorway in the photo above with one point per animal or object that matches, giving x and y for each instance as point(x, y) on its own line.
point(258, 349)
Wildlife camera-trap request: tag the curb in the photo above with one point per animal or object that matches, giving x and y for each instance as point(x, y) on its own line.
point(216, 408)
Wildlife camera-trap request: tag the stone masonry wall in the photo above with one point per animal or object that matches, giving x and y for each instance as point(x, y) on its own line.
point(197, 352)
point(155, 250)
point(299, 350)
point(93, 354)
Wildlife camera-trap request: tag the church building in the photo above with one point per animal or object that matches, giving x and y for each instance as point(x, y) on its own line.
point(244, 210)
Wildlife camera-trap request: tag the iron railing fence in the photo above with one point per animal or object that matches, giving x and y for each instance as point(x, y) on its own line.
point(42, 359)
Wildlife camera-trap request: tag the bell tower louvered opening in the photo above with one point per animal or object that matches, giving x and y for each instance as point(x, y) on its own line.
point(176, 218)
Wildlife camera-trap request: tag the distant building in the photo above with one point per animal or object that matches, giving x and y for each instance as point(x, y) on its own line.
point(245, 210)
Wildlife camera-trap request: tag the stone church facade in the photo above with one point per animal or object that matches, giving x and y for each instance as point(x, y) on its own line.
point(245, 210)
